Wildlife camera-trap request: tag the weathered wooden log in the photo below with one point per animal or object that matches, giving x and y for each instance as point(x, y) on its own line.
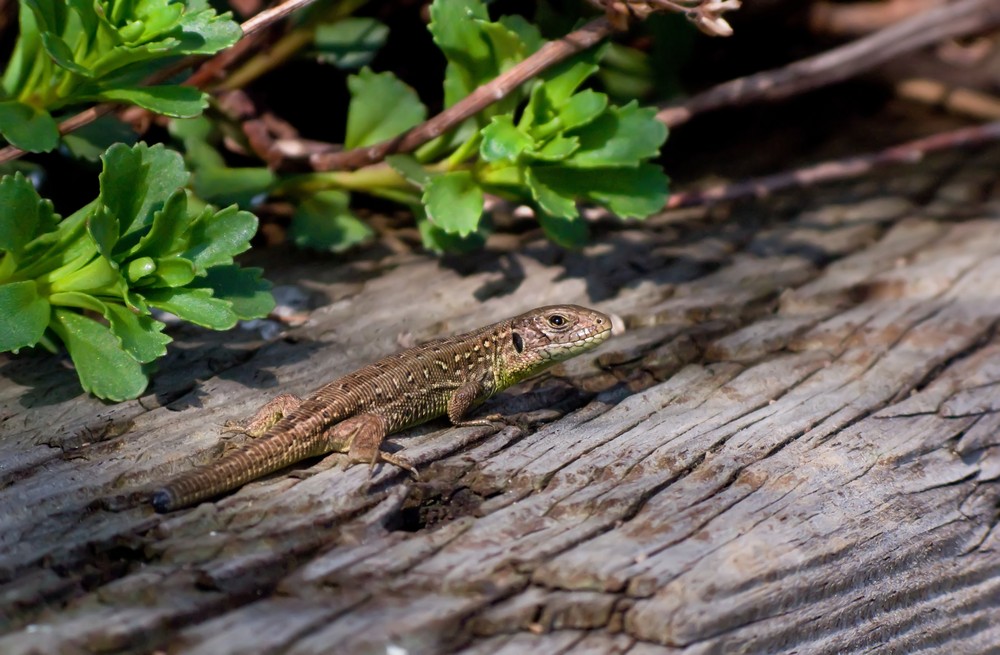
point(794, 447)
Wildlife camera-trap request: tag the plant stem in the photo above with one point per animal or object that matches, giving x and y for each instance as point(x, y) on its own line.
point(369, 180)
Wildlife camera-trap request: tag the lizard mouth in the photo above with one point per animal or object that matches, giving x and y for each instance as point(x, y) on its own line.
point(583, 340)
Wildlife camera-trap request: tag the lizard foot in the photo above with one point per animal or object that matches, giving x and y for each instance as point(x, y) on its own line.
point(272, 412)
point(392, 458)
point(495, 421)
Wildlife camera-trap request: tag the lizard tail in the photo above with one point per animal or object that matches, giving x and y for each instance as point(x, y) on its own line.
point(261, 457)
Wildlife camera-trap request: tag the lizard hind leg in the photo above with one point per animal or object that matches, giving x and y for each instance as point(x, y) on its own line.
point(262, 421)
point(361, 438)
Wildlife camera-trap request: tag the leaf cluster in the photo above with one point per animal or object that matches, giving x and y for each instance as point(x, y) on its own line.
point(91, 280)
point(552, 144)
point(76, 51)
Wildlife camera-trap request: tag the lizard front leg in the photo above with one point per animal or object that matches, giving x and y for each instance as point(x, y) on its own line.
point(465, 398)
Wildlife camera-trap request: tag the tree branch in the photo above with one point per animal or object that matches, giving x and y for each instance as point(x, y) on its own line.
point(957, 19)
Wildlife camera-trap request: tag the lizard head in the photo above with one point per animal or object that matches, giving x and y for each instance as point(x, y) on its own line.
point(547, 335)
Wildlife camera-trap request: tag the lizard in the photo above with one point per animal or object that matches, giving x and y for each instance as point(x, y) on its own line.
point(355, 413)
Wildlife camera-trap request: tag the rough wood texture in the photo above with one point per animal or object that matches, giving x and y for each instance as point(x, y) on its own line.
point(795, 447)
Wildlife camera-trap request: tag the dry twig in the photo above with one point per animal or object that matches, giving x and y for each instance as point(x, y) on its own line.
point(961, 18)
point(905, 153)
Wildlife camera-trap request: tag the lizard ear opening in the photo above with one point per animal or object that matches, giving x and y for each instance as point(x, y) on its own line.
point(518, 343)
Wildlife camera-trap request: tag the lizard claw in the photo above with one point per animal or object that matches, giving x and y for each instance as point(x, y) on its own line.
point(401, 463)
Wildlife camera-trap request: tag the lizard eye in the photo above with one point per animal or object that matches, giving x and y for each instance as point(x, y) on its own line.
point(518, 343)
point(557, 320)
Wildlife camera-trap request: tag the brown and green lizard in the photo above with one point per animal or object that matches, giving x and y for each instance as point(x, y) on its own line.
point(355, 413)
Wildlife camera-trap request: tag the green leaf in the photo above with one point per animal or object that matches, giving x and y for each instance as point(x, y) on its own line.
point(23, 315)
point(450, 21)
point(622, 136)
point(74, 51)
point(628, 73)
point(196, 133)
point(24, 58)
point(477, 50)
point(526, 31)
point(350, 43)
point(91, 140)
point(454, 202)
point(226, 186)
point(137, 181)
point(502, 140)
point(563, 79)
point(566, 232)
point(104, 369)
point(167, 233)
point(582, 108)
point(103, 228)
point(556, 149)
point(324, 222)
point(138, 334)
point(98, 276)
point(77, 300)
point(220, 236)
point(54, 249)
point(175, 258)
point(628, 192)
point(139, 269)
point(409, 168)
point(174, 272)
point(23, 214)
point(27, 127)
point(169, 100)
point(150, 31)
point(550, 200)
point(195, 305)
point(198, 128)
point(249, 294)
point(437, 240)
point(204, 32)
point(63, 55)
point(381, 107)
point(542, 114)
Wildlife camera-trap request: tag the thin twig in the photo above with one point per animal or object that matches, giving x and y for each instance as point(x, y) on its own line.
point(551, 53)
point(909, 152)
point(268, 16)
point(89, 115)
point(957, 19)
point(854, 19)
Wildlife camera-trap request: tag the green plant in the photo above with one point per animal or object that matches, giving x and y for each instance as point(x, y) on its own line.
point(78, 51)
point(563, 146)
point(551, 144)
point(91, 280)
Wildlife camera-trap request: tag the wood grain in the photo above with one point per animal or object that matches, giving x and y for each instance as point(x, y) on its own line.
point(795, 447)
